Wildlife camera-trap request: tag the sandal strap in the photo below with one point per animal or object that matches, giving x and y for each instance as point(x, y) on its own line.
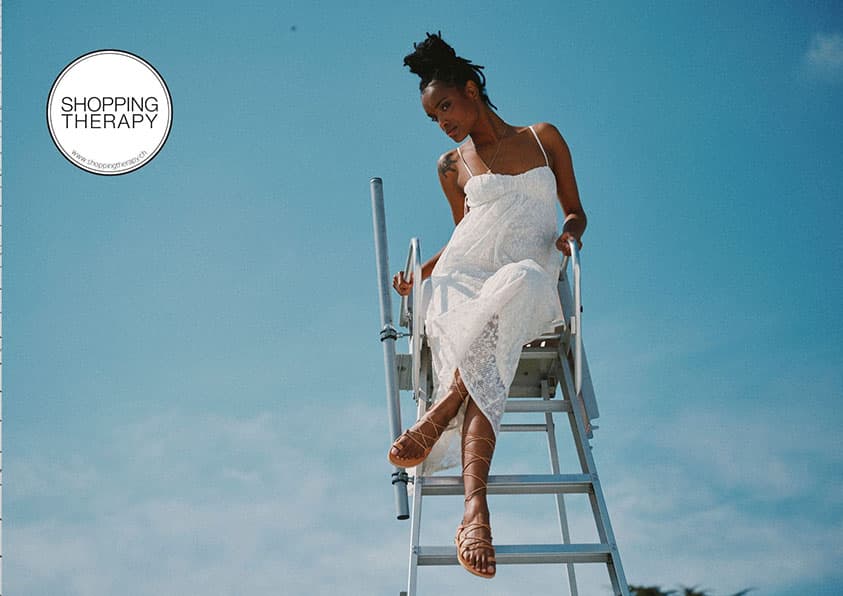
point(455, 384)
point(422, 439)
point(471, 438)
point(475, 526)
point(472, 458)
point(470, 542)
point(477, 491)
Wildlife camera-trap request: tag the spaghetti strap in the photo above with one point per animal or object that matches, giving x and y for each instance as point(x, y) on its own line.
point(465, 163)
point(547, 163)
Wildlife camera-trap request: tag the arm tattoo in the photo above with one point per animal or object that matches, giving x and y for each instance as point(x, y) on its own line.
point(446, 164)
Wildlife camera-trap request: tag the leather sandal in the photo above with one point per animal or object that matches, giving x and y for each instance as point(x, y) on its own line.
point(469, 543)
point(424, 433)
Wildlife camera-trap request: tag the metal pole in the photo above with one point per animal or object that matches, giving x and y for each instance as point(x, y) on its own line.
point(416, 326)
point(1, 334)
point(561, 511)
point(388, 336)
point(577, 319)
point(404, 318)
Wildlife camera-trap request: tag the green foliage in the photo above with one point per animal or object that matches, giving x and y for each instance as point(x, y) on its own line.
point(649, 591)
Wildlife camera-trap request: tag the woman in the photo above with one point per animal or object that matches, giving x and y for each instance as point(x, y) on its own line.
point(494, 283)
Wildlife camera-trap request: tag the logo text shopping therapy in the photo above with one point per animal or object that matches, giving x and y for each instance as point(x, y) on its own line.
point(109, 112)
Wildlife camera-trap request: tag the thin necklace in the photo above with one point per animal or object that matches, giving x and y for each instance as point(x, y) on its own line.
point(494, 157)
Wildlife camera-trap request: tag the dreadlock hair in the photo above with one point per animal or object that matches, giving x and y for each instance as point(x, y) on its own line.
point(434, 60)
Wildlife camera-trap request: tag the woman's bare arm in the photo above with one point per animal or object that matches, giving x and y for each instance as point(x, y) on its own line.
point(566, 185)
point(449, 180)
point(448, 169)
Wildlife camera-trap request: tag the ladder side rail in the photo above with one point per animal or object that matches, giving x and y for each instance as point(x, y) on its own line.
point(571, 383)
point(561, 511)
point(585, 456)
point(576, 331)
point(566, 297)
point(416, 318)
point(1, 309)
point(415, 524)
point(415, 533)
point(405, 310)
point(580, 426)
point(422, 386)
point(576, 319)
point(388, 337)
point(596, 499)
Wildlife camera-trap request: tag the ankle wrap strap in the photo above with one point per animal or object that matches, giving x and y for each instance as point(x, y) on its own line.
point(474, 459)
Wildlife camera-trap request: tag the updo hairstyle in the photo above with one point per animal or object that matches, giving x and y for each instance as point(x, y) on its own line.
point(434, 60)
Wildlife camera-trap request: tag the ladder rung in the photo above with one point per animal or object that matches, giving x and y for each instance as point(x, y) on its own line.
point(523, 389)
point(511, 554)
point(537, 405)
point(540, 353)
point(557, 333)
point(523, 428)
point(514, 484)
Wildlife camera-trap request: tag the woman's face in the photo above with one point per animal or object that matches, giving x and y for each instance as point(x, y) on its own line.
point(454, 110)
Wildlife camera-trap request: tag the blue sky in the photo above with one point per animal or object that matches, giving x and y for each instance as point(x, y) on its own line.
point(194, 397)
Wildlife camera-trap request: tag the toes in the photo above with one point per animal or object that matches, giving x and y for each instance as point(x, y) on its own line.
point(487, 564)
point(400, 445)
point(402, 448)
point(481, 561)
point(476, 555)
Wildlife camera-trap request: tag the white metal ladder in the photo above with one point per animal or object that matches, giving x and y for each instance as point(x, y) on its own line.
point(551, 361)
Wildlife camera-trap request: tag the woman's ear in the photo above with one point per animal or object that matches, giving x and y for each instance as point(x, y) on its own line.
point(472, 91)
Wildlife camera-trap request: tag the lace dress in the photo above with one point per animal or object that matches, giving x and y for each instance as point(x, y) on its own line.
point(492, 290)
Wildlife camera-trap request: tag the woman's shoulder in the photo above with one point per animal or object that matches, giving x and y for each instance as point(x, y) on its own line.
point(548, 131)
point(550, 137)
point(448, 164)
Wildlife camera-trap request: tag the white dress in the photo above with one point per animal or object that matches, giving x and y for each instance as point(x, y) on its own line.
point(492, 290)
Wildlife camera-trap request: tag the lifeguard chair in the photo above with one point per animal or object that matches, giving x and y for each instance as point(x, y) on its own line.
point(555, 360)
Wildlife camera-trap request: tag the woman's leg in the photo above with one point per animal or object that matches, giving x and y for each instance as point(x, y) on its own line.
point(415, 444)
point(475, 537)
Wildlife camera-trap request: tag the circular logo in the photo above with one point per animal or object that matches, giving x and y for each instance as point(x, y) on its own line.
point(109, 112)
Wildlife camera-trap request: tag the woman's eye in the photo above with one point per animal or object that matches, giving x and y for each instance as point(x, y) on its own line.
point(445, 106)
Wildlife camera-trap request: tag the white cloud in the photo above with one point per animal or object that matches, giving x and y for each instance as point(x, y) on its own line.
point(208, 505)
point(824, 57)
point(680, 531)
point(204, 504)
point(731, 494)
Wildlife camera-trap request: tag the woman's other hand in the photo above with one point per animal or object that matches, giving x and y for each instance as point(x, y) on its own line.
point(402, 285)
point(562, 243)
